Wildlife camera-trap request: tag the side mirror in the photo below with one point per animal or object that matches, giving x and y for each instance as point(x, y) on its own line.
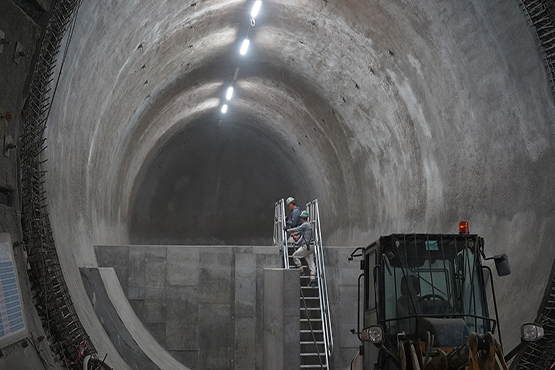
point(531, 332)
point(354, 254)
point(502, 265)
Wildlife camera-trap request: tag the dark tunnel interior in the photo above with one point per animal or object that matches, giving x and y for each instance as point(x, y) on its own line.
point(214, 184)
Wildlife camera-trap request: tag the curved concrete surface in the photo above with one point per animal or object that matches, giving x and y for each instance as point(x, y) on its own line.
point(398, 116)
point(144, 339)
point(112, 312)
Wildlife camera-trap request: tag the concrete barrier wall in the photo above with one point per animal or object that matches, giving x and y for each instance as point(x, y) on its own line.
point(281, 319)
point(205, 304)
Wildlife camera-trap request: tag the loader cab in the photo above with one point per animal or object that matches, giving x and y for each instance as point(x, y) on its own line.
point(415, 284)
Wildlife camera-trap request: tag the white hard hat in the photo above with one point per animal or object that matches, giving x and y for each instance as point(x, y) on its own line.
point(290, 200)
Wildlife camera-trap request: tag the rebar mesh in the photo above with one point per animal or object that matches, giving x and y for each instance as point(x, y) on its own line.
point(68, 339)
point(541, 354)
point(541, 14)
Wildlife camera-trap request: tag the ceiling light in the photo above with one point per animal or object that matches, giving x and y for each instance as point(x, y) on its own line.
point(224, 108)
point(256, 8)
point(229, 93)
point(244, 47)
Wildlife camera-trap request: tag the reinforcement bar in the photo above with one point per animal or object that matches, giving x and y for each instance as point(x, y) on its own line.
point(541, 354)
point(68, 339)
point(541, 14)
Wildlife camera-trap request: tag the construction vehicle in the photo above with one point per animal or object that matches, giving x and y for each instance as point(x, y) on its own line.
point(423, 302)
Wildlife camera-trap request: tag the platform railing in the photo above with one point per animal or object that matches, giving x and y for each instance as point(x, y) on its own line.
point(280, 240)
point(280, 236)
point(314, 219)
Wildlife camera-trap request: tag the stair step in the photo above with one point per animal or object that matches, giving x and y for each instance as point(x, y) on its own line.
point(308, 354)
point(314, 367)
point(310, 306)
point(318, 331)
point(312, 342)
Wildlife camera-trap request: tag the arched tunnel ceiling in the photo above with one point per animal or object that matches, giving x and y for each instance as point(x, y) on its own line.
point(398, 116)
point(342, 70)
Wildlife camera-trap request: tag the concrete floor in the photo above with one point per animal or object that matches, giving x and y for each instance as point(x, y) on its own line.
point(398, 116)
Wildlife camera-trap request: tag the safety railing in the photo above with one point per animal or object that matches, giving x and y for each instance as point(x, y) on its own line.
point(280, 240)
point(314, 219)
point(280, 236)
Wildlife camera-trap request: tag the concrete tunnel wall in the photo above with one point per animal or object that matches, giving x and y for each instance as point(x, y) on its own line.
point(398, 117)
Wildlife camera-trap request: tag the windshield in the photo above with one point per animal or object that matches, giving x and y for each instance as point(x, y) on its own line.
point(432, 276)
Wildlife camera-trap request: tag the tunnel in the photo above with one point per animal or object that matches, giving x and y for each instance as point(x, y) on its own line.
point(398, 116)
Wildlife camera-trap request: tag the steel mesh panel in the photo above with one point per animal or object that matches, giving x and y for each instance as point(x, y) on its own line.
point(67, 337)
point(541, 14)
point(541, 354)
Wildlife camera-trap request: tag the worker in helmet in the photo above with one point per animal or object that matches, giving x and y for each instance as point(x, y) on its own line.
point(295, 213)
point(305, 247)
point(294, 221)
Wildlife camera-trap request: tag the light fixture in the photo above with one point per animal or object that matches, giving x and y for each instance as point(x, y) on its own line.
point(463, 227)
point(372, 334)
point(224, 108)
point(229, 93)
point(531, 332)
point(244, 47)
point(256, 8)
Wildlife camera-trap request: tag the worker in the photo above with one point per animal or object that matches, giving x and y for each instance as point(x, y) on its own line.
point(295, 213)
point(306, 247)
point(294, 221)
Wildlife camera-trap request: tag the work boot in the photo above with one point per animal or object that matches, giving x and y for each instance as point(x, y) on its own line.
point(313, 283)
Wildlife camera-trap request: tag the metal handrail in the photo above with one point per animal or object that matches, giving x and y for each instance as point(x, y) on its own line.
point(280, 240)
point(312, 331)
point(314, 219)
point(280, 236)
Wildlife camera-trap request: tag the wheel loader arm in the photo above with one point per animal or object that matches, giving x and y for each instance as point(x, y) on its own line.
point(480, 352)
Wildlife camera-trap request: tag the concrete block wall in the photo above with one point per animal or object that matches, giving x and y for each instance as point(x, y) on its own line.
point(281, 319)
point(342, 277)
point(206, 305)
point(203, 304)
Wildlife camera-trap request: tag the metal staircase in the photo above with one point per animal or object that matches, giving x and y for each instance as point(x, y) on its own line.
point(316, 340)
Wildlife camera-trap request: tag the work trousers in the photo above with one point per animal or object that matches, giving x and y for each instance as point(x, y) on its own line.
point(303, 252)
